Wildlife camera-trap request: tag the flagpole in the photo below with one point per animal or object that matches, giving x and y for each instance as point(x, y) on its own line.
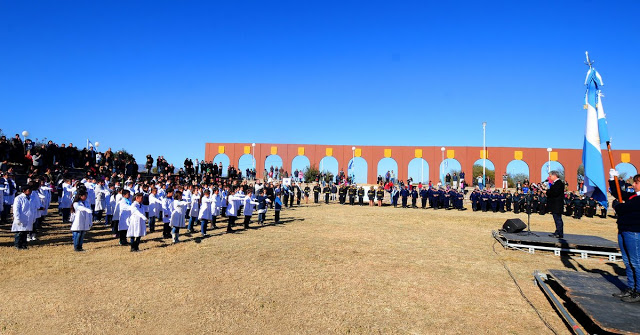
point(615, 178)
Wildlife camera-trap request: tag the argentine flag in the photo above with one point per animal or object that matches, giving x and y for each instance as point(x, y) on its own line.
point(595, 133)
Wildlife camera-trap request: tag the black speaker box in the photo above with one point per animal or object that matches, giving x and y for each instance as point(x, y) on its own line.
point(514, 226)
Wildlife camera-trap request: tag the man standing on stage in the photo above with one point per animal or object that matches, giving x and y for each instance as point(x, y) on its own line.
point(555, 201)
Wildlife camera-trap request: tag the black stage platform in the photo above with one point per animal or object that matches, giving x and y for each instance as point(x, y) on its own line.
point(585, 245)
point(591, 294)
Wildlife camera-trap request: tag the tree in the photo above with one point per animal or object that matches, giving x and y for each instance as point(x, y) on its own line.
point(123, 155)
point(490, 174)
point(513, 179)
point(311, 173)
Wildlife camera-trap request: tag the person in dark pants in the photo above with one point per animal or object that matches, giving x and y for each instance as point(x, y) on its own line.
point(555, 201)
point(628, 212)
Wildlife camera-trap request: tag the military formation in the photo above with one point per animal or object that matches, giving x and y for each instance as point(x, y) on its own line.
point(533, 202)
point(403, 196)
point(526, 200)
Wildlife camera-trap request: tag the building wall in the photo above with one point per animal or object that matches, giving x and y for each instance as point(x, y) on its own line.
point(535, 158)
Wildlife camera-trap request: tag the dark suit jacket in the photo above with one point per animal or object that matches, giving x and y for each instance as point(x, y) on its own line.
point(555, 197)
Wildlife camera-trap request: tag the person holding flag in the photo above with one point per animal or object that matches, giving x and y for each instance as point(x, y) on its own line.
point(628, 212)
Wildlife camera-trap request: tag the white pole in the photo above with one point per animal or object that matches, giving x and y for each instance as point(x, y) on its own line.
point(442, 167)
point(549, 162)
point(484, 153)
point(422, 170)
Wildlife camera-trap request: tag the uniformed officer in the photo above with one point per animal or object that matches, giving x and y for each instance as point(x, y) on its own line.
point(414, 197)
point(361, 196)
point(316, 193)
point(578, 207)
point(424, 197)
point(371, 194)
point(327, 192)
point(484, 200)
point(516, 202)
point(352, 194)
point(404, 193)
point(380, 195)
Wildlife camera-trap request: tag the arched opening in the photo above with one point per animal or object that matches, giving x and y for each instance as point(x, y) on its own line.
point(489, 173)
point(388, 170)
point(627, 171)
point(245, 162)
point(357, 170)
point(272, 165)
point(299, 164)
point(418, 170)
point(555, 166)
point(222, 159)
point(517, 172)
point(449, 166)
point(329, 167)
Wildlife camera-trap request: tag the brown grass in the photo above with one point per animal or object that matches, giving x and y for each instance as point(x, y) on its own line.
point(327, 269)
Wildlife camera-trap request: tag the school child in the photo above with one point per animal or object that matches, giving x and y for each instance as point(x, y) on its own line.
point(215, 207)
point(194, 209)
point(177, 219)
point(262, 201)
point(23, 217)
point(155, 204)
point(124, 210)
point(277, 208)
point(101, 200)
point(248, 203)
point(82, 218)
point(136, 222)
point(233, 202)
point(204, 214)
point(167, 209)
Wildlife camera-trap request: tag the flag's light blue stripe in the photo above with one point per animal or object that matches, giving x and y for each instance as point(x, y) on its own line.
point(594, 172)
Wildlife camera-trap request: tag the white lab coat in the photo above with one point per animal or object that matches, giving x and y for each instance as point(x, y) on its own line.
point(137, 225)
point(195, 205)
point(82, 218)
point(67, 192)
point(101, 198)
point(205, 208)
point(233, 204)
point(167, 209)
point(23, 213)
point(248, 205)
point(215, 205)
point(178, 213)
point(124, 211)
point(155, 204)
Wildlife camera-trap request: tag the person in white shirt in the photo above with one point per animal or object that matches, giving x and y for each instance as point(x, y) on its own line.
point(65, 200)
point(23, 216)
point(248, 203)
point(167, 208)
point(137, 226)
point(124, 211)
point(82, 218)
point(177, 220)
point(155, 205)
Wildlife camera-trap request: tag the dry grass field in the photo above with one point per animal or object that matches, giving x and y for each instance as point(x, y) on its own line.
point(326, 270)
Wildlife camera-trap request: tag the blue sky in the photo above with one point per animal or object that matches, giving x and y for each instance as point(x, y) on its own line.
point(165, 77)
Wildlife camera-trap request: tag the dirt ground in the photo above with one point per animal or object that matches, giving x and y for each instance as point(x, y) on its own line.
point(327, 269)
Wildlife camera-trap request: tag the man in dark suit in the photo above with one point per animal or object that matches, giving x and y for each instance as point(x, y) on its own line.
point(555, 201)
